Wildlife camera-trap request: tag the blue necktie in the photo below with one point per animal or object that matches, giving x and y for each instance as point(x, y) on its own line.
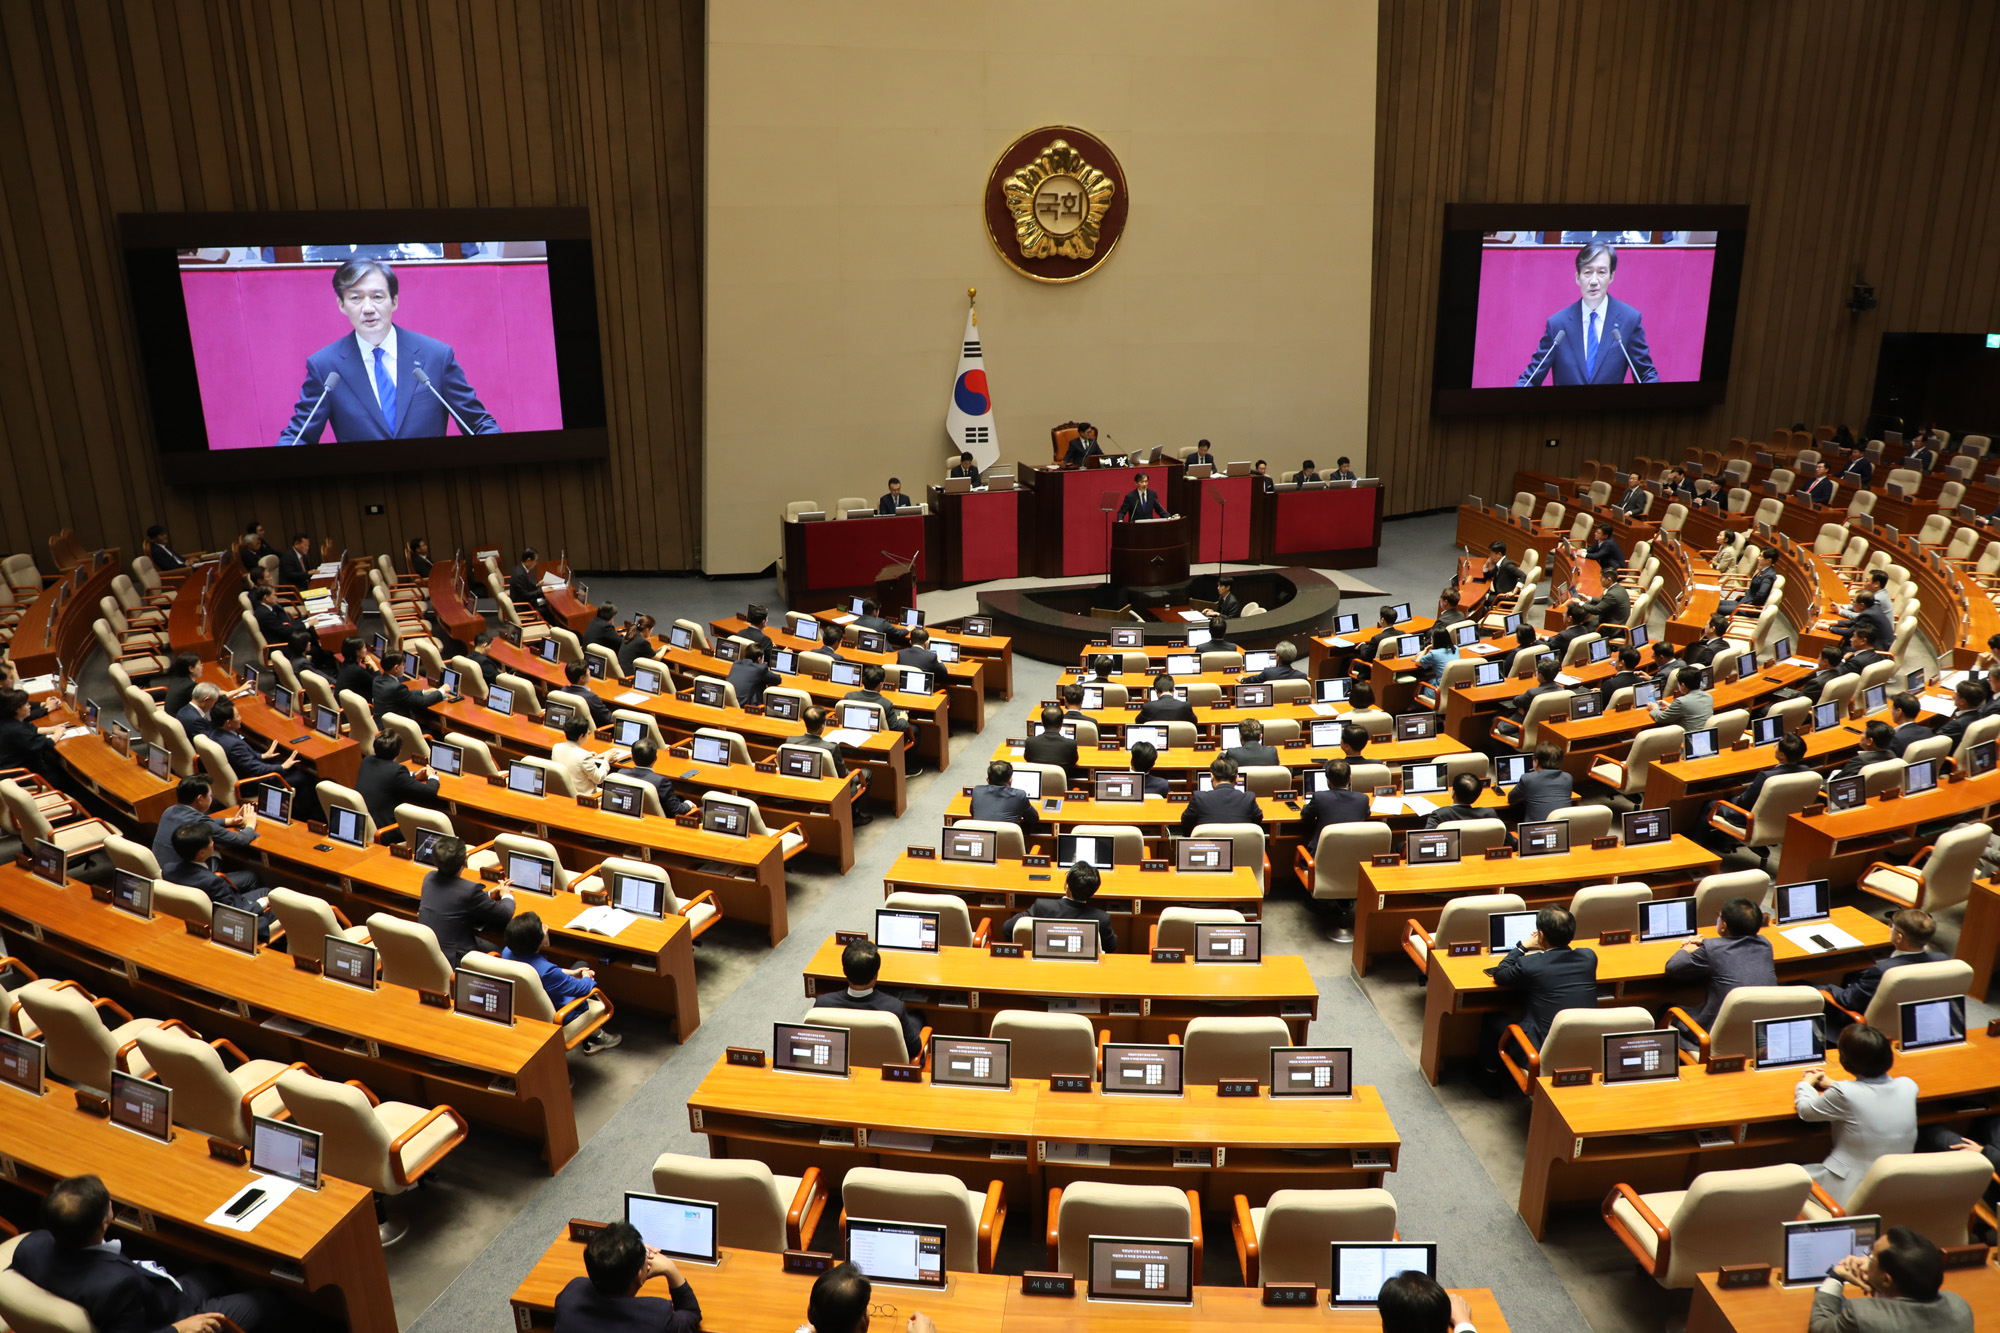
point(1589, 347)
point(385, 389)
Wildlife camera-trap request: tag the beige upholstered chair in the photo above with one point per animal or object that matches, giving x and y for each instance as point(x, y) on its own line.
point(384, 1146)
point(875, 1038)
point(702, 911)
point(526, 703)
point(1231, 1047)
point(133, 857)
point(1601, 907)
point(83, 1049)
point(955, 928)
point(1248, 840)
point(1915, 981)
point(1476, 837)
point(308, 920)
point(1575, 1040)
point(755, 1210)
point(1012, 846)
point(1046, 1044)
point(1585, 822)
point(791, 837)
point(1724, 1217)
point(182, 903)
point(478, 756)
point(1287, 1239)
point(578, 1019)
point(360, 718)
point(495, 853)
point(1784, 795)
point(1462, 921)
point(410, 954)
point(334, 796)
point(1333, 868)
point(1175, 928)
point(1943, 878)
point(1087, 1208)
point(1628, 777)
point(1932, 1193)
point(77, 835)
point(1715, 890)
point(1734, 1031)
point(26, 1308)
point(1267, 779)
point(210, 1098)
point(972, 1219)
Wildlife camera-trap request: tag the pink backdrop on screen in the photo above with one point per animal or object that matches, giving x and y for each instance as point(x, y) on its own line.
point(1521, 286)
point(253, 329)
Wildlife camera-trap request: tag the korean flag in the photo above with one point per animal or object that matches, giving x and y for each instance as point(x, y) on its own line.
point(968, 417)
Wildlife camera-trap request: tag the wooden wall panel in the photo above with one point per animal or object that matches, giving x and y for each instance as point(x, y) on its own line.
point(1856, 130)
point(115, 106)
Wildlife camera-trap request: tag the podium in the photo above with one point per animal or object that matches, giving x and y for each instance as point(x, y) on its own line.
point(1149, 554)
point(895, 583)
point(1072, 508)
point(982, 535)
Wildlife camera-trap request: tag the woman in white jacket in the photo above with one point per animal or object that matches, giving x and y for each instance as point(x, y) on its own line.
point(1872, 1114)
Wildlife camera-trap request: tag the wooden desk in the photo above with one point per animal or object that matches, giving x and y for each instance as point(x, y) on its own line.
point(1584, 1140)
point(321, 1245)
point(1776, 1309)
point(121, 782)
point(335, 760)
point(960, 990)
point(1189, 760)
point(459, 615)
point(964, 682)
point(1327, 651)
point(1979, 938)
point(1458, 990)
point(1609, 735)
point(1391, 895)
point(1839, 846)
point(1265, 1143)
point(1469, 710)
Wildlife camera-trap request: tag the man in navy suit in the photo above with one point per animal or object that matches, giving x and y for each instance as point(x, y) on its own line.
point(379, 396)
point(1141, 502)
point(1602, 339)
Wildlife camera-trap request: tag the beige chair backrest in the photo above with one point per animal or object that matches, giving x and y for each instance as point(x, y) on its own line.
point(649, 795)
point(1715, 890)
point(1985, 729)
point(1236, 1046)
point(1734, 1031)
point(1916, 981)
point(1935, 527)
point(526, 703)
point(1463, 920)
point(1046, 1044)
point(919, 1197)
point(1585, 822)
point(478, 757)
point(1177, 924)
point(206, 1099)
point(1884, 776)
point(135, 857)
point(1552, 516)
point(216, 764)
point(1784, 795)
point(1055, 779)
point(1012, 846)
point(1343, 849)
point(1782, 478)
point(79, 1046)
point(306, 921)
point(1476, 837)
point(1647, 746)
point(1576, 1036)
point(332, 794)
point(471, 681)
point(647, 723)
point(1579, 649)
point(1091, 1208)
point(954, 917)
point(1952, 865)
point(530, 999)
point(1932, 1193)
point(1739, 499)
point(1297, 1226)
point(416, 745)
point(1267, 779)
point(1524, 504)
point(1675, 519)
point(848, 502)
point(805, 700)
point(1249, 844)
point(354, 1143)
point(410, 954)
point(1602, 907)
point(26, 1308)
point(1466, 762)
point(520, 842)
point(750, 1206)
point(1542, 708)
point(1734, 1217)
point(1841, 689)
point(793, 508)
point(182, 903)
point(875, 1039)
point(739, 749)
point(1832, 537)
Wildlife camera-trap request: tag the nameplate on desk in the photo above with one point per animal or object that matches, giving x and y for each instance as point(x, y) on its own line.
point(91, 1104)
point(750, 1057)
point(1203, 747)
point(1237, 1087)
point(1017, 742)
point(101, 892)
point(1385, 859)
point(495, 780)
point(582, 1229)
point(222, 1150)
point(1465, 949)
point(1297, 1294)
point(1102, 745)
point(1004, 949)
point(1176, 643)
point(1297, 745)
point(1572, 1078)
point(1727, 1064)
point(1048, 1284)
point(1132, 707)
point(1170, 955)
point(688, 821)
point(1069, 1082)
point(850, 936)
point(1222, 704)
point(1152, 867)
point(893, 1073)
point(1890, 794)
point(921, 853)
point(1605, 843)
point(1035, 862)
point(587, 802)
point(1614, 937)
point(199, 929)
point(401, 851)
point(304, 964)
point(1993, 1027)
point(1731, 1277)
point(811, 1263)
point(1179, 797)
point(436, 999)
point(770, 767)
point(317, 827)
point(492, 874)
point(1499, 853)
point(595, 897)
point(1963, 1256)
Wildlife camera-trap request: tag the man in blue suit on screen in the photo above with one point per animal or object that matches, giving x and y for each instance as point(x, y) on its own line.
point(381, 383)
point(1596, 340)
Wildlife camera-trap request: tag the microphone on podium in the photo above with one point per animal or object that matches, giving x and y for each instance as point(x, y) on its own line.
point(1554, 343)
point(332, 378)
point(425, 380)
point(1618, 336)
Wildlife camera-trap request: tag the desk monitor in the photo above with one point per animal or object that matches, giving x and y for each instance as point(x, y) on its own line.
point(912, 618)
point(1505, 930)
point(641, 895)
point(557, 715)
point(1582, 704)
point(1813, 1247)
point(1145, 1070)
point(1399, 612)
point(682, 1228)
point(142, 1106)
point(1198, 638)
point(1510, 626)
point(1326, 734)
point(1437, 848)
point(1928, 1023)
point(1914, 682)
point(645, 680)
point(1509, 769)
point(1645, 694)
point(1128, 637)
point(423, 850)
point(711, 693)
point(285, 1150)
point(1810, 900)
point(1920, 777)
point(1667, 919)
point(1027, 781)
point(905, 1254)
point(350, 963)
point(1335, 689)
point(1979, 759)
point(845, 673)
point(972, 1062)
point(918, 682)
point(326, 722)
point(724, 817)
point(526, 778)
point(870, 641)
point(904, 928)
point(1154, 736)
point(1230, 735)
point(1416, 726)
point(1346, 624)
point(274, 802)
point(21, 1063)
point(1549, 839)
point(1701, 744)
point(797, 761)
point(1409, 645)
point(1065, 940)
point(1421, 779)
point(1137, 1270)
point(1228, 942)
point(628, 731)
point(536, 874)
point(785, 662)
point(806, 1048)
point(1598, 651)
point(860, 717)
point(1874, 698)
point(1260, 660)
point(1487, 673)
point(1767, 730)
point(132, 892)
point(233, 928)
point(781, 706)
point(379, 645)
point(158, 761)
point(549, 649)
point(1643, 828)
point(1183, 664)
point(1093, 698)
point(1782, 1042)
point(710, 750)
point(981, 627)
point(1641, 1057)
point(1204, 854)
point(448, 681)
point(971, 844)
point(858, 606)
point(1359, 1270)
point(1088, 848)
point(805, 627)
point(679, 637)
point(728, 650)
point(1826, 716)
point(1465, 635)
point(344, 824)
point(1118, 787)
point(481, 996)
point(1848, 793)
point(1312, 1071)
point(500, 699)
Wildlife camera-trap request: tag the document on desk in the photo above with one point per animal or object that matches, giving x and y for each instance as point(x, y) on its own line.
point(1485, 648)
point(1324, 710)
point(847, 736)
point(1386, 805)
point(71, 733)
point(606, 921)
point(327, 570)
point(1564, 678)
point(1821, 937)
point(1708, 587)
point(1340, 643)
point(1419, 805)
point(276, 1190)
point(630, 698)
point(554, 583)
point(1193, 617)
point(40, 685)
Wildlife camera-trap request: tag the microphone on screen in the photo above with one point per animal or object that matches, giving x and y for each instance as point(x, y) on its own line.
point(1618, 336)
point(425, 380)
point(332, 378)
point(1554, 343)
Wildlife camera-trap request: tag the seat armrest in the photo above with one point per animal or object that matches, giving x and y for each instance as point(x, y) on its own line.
point(1695, 1030)
point(1246, 1241)
point(1744, 817)
point(444, 1149)
point(1852, 1016)
point(224, 1046)
point(982, 933)
point(992, 1221)
point(1152, 937)
point(802, 1216)
point(923, 1052)
point(1663, 1239)
point(1194, 1224)
point(1524, 1074)
point(1055, 1208)
point(1303, 860)
point(365, 1091)
point(106, 1002)
point(253, 1094)
point(1825, 1200)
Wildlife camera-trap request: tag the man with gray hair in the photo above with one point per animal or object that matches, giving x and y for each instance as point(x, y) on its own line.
point(194, 715)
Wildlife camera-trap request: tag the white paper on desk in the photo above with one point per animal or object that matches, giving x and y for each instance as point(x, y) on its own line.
point(276, 1190)
point(69, 733)
point(553, 581)
point(1940, 703)
point(327, 570)
point(845, 618)
point(1324, 710)
point(1564, 678)
point(606, 920)
point(1708, 587)
point(1484, 648)
point(896, 1138)
point(1017, 752)
point(40, 685)
point(631, 697)
point(1419, 805)
point(1947, 680)
point(1834, 936)
point(321, 622)
point(1099, 1153)
point(1799, 661)
point(848, 736)
point(1386, 805)
point(1340, 643)
point(1193, 617)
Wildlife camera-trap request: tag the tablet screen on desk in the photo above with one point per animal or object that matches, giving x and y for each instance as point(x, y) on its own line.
point(1505, 930)
point(1228, 942)
point(646, 680)
point(711, 750)
point(785, 662)
point(1641, 1057)
point(808, 1049)
point(1420, 779)
point(287, 1151)
point(233, 927)
point(639, 895)
point(132, 892)
point(1810, 900)
point(500, 699)
point(1920, 777)
point(142, 1106)
point(1582, 704)
point(1875, 698)
point(1027, 781)
point(21, 1063)
point(556, 715)
point(981, 627)
point(1259, 661)
point(870, 641)
point(1130, 1268)
point(1928, 1023)
point(781, 706)
point(349, 963)
point(1335, 689)
point(1091, 849)
point(902, 1253)
point(1766, 730)
point(1312, 1071)
point(1826, 716)
point(1326, 735)
point(158, 760)
point(1846, 793)
point(723, 817)
point(1509, 769)
point(1465, 635)
point(629, 731)
point(1645, 827)
point(344, 825)
point(1813, 1247)
point(1701, 744)
point(536, 874)
point(1183, 664)
point(1197, 638)
point(1439, 847)
point(845, 673)
point(1979, 759)
point(1549, 839)
point(1152, 1070)
point(683, 1228)
point(448, 681)
point(1667, 919)
point(1118, 787)
point(799, 762)
point(326, 722)
point(1154, 736)
point(1781, 1042)
point(679, 637)
point(424, 849)
point(860, 717)
point(1203, 854)
point(525, 778)
point(726, 650)
point(1486, 673)
point(1360, 1270)
point(1128, 637)
point(1074, 941)
point(972, 1062)
point(490, 998)
point(971, 844)
point(710, 693)
point(1645, 694)
point(904, 928)
point(1230, 736)
point(447, 759)
point(1399, 612)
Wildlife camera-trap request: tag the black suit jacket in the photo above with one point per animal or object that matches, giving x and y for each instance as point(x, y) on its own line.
point(292, 571)
point(880, 1002)
point(1137, 506)
point(1005, 805)
point(1609, 556)
point(664, 785)
point(392, 695)
point(1080, 449)
point(750, 680)
point(22, 745)
point(602, 634)
point(456, 910)
point(1263, 756)
point(1230, 606)
point(1821, 490)
point(1748, 800)
point(1271, 673)
point(1539, 792)
point(1168, 709)
point(582, 1308)
point(1551, 981)
point(1907, 735)
point(1857, 993)
point(1345, 806)
point(1054, 748)
point(1723, 962)
point(117, 1294)
point(890, 503)
point(1064, 909)
point(194, 722)
point(523, 586)
point(243, 757)
point(1446, 814)
point(357, 677)
point(1156, 785)
point(1223, 805)
point(971, 474)
point(923, 659)
point(163, 557)
point(384, 784)
point(629, 653)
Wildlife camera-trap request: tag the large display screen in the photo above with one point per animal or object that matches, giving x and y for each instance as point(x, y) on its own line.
point(1586, 307)
point(340, 341)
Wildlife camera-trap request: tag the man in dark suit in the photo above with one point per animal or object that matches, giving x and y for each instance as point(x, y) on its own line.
point(193, 801)
point(1050, 746)
point(1083, 446)
point(861, 963)
point(1829, 667)
point(524, 587)
point(1868, 640)
point(456, 908)
point(193, 854)
point(392, 383)
point(1337, 804)
point(1465, 789)
point(1227, 603)
point(1596, 340)
point(645, 753)
point(1385, 621)
point(1523, 637)
point(1542, 790)
point(920, 656)
point(871, 617)
point(1713, 640)
point(578, 677)
point(1140, 502)
point(1608, 612)
point(1859, 472)
point(814, 721)
point(1341, 470)
point(894, 499)
point(619, 1263)
point(750, 677)
point(1263, 482)
point(1910, 933)
point(1628, 673)
point(1550, 977)
point(1252, 751)
point(1287, 653)
point(1874, 750)
point(755, 617)
point(1970, 697)
point(1791, 753)
point(965, 468)
point(1737, 956)
point(1203, 454)
point(998, 802)
point(1218, 637)
point(1604, 549)
point(1165, 705)
point(160, 551)
point(1923, 457)
point(1822, 489)
point(274, 622)
point(252, 549)
point(601, 633)
point(1307, 472)
point(1864, 611)
point(1633, 502)
point(1516, 711)
point(1224, 803)
point(1144, 756)
point(72, 1258)
point(1079, 887)
point(870, 692)
point(293, 572)
point(1500, 574)
point(1761, 583)
point(383, 784)
point(1905, 709)
point(392, 695)
point(357, 668)
point(242, 756)
point(194, 717)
